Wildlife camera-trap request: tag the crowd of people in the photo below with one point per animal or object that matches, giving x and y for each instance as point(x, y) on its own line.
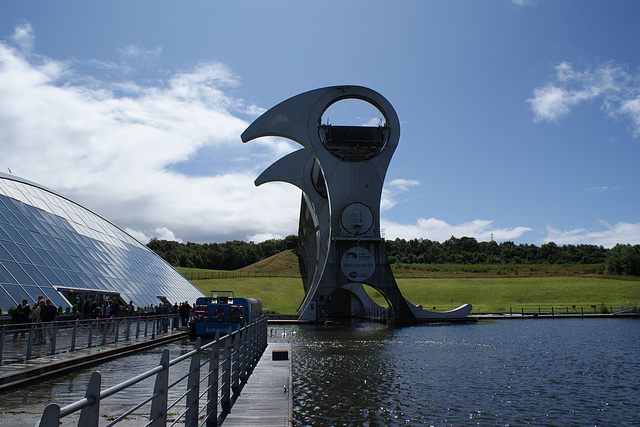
point(44, 312)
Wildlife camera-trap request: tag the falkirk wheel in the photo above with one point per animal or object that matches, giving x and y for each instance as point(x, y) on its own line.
point(340, 171)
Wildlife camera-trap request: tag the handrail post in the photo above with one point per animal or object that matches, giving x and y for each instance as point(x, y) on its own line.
point(54, 337)
point(90, 415)
point(235, 362)
point(257, 339)
point(138, 327)
point(258, 342)
point(73, 336)
point(50, 416)
point(105, 325)
point(146, 326)
point(128, 333)
point(214, 372)
point(225, 400)
point(90, 338)
point(251, 339)
point(30, 343)
point(244, 354)
point(116, 330)
point(158, 415)
point(255, 343)
point(193, 387)
point(153, 331)
point(263, 343)
point(2, 329)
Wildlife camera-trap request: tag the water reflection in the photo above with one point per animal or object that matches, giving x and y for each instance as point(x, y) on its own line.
point(33, 398)
point(328, 357)
point(516, 372)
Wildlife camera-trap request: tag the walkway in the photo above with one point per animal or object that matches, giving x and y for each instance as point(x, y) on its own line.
point(266, 399)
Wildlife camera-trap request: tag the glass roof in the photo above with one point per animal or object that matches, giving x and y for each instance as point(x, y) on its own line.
point(53, 247)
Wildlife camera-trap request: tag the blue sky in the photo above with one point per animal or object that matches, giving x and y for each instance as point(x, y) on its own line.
point(520, 119)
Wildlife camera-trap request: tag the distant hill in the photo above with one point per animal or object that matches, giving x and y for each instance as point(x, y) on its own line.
point(285, 263)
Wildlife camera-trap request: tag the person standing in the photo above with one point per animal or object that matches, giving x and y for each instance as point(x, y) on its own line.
point(166, 309)
point(21, 317)
point(130, 309)
point(48, 315)
point(35, 316)
point(88, 308)
point(115, 308)
point(185, 309)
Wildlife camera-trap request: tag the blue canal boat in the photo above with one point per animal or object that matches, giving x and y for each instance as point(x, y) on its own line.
point(222, 311)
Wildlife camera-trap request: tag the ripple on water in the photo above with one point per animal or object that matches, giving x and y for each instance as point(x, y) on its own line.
point(536, 372)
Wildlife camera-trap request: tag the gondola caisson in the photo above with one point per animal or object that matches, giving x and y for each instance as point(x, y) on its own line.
point(222, 311)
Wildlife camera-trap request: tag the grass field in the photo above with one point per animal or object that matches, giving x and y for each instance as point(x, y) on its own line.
point(500, 294)
point(281, 294)
point(487, 293)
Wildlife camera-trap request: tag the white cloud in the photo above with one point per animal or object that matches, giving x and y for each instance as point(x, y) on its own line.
point(138, 55)
point(597, 189)
point(24, 37)
point(611, 84)
point(162, 233)
point(113, 147)
point(631, 108)
point(602, 189)
point(551, 103)
point(439, 230)
point(261, 237)
point(607, 235)
point(523, 2)
point(392, 189)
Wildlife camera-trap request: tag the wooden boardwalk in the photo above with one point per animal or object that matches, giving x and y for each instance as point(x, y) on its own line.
point(266, 400)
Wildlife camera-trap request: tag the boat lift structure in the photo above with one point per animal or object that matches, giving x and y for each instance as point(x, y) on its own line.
point(341, 172)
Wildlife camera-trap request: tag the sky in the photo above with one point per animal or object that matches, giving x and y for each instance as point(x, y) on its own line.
point(520, 120)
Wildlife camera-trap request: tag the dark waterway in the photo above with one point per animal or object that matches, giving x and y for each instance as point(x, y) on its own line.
point(558, 372)
point(493, 373)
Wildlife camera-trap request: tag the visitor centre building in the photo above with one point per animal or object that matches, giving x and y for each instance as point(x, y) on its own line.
point(53, 247)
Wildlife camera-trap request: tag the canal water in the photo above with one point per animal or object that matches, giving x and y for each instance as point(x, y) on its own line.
point(494, 373)
point(551, 372)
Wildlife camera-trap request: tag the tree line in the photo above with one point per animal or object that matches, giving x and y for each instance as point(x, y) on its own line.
point(622, 259)
point(466, 250)
point(219, 256)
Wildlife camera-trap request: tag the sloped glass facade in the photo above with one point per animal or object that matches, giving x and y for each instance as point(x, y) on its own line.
point(53, 247)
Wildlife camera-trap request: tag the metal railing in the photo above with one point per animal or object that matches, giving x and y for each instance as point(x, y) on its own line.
point(631, 308)
point(23, 342)
point(626, 308)
point(234, 274)
point(216, 373)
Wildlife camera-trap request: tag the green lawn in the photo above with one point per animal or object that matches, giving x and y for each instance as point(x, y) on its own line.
point(282, 294)
point(499, 294)
point(487, 295)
